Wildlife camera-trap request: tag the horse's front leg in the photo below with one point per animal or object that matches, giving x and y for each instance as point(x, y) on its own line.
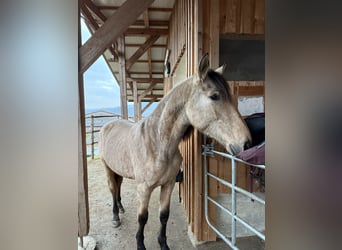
point(164, 211)
point(144, 195)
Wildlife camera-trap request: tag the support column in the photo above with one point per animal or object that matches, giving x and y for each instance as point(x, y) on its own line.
point(122, 77)
point(136, 102)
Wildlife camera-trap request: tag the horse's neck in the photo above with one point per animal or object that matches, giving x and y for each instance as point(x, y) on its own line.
point(170, 119)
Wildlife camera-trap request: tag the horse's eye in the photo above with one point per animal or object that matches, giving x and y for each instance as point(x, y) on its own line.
point(215, 97)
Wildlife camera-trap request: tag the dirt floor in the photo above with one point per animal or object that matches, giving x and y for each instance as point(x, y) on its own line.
point(107, 237)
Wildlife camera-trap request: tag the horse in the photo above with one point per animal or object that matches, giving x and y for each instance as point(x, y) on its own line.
point(148, 152)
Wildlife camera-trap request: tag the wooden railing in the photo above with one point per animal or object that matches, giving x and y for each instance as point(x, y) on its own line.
point(93, 126)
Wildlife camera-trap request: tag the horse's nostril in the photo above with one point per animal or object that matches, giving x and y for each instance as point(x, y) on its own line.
point(247, 145)
point(235, 149)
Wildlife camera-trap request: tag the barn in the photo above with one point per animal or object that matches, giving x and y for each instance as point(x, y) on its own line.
point(151, 46)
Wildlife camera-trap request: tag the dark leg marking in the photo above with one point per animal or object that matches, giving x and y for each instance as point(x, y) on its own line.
point(119, 182)
point(142, 219)
point(113, 187)
point(164, 217)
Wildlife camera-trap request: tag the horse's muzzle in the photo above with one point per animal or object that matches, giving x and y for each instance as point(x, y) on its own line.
point(236, 149)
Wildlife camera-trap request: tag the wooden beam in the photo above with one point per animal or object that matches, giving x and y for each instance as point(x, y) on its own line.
point(149, 104)
point(115, 25)
point(83, 203)
point(154, 9)
point(142, 61)
point(143, 94)
point(94, 8)
point(152, 23)
point(146, 80)
point(149, 55)
point(122, 76)
point(144, 72)
point(141, 51)
point(214, 33)
point(146, 31)
point(139, 44)
point(136, 102)
point(85, 11)
point(95, 26)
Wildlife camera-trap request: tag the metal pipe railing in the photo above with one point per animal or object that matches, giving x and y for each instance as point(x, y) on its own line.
point(209, 150)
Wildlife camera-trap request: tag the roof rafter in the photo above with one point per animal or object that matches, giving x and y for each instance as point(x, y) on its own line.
point(121, 19)
point(141, 51)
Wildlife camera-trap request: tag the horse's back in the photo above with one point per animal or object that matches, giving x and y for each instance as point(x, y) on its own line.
point(113, 147)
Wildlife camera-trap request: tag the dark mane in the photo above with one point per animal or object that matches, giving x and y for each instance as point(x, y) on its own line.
point(220, 83)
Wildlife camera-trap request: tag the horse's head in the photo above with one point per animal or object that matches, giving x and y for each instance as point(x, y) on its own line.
point(210, 110)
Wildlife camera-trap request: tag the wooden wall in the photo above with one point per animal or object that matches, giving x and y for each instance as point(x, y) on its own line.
point(242, 17)
point(195, 28)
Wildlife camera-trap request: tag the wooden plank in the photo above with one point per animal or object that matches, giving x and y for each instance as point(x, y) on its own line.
point(85, 11)
point(149, 55)
point(136, 102)
point(83, 203)
point(94, 8)
point(115, 25)
point(259, 16)
point(228, 16)
point(146, 32)
point(149, 104)
point(140, 44)
point(142, 95)
point(214, 33)
point(251, 90)
point(152, 9)
point(146, 80)
point(141, 50)
point(247, 16)
point(122, 77)
point(238, 17)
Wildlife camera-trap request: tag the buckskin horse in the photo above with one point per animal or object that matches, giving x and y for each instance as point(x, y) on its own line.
point(147, 151)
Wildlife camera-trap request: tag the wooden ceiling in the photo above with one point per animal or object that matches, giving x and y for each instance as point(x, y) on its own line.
point(140, 51)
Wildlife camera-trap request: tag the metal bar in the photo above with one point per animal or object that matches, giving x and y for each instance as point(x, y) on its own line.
point(240, 190)
point(250, 227)
point(208, 150)
point(239, 160)
point(222, 236)
point(240, 220)
point(233, 225)
point(219, 205)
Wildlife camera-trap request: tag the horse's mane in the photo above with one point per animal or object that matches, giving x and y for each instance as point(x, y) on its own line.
point(221, 84)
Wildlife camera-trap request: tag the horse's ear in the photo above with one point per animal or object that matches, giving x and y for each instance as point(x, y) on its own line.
point(221, 69)
point(203, 66)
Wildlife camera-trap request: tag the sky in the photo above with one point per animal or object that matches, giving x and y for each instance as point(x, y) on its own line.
point(100, 87)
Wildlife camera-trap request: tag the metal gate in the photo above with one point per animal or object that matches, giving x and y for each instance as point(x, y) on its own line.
point(208, 151)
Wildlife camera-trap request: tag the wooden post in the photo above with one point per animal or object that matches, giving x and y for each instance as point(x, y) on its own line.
point(136, 101)
point(83, 205)
point(122, 76)
point(92, 137)
point(115, 26)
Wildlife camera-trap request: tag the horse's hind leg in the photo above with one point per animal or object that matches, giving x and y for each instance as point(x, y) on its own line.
point(164, 211)
point(114, 189)
point(119, 179)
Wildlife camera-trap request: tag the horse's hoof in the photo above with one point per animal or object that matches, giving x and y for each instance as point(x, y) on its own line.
point(116, 223)
point(165, 247)
point(141, 247)
point(121, 210)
